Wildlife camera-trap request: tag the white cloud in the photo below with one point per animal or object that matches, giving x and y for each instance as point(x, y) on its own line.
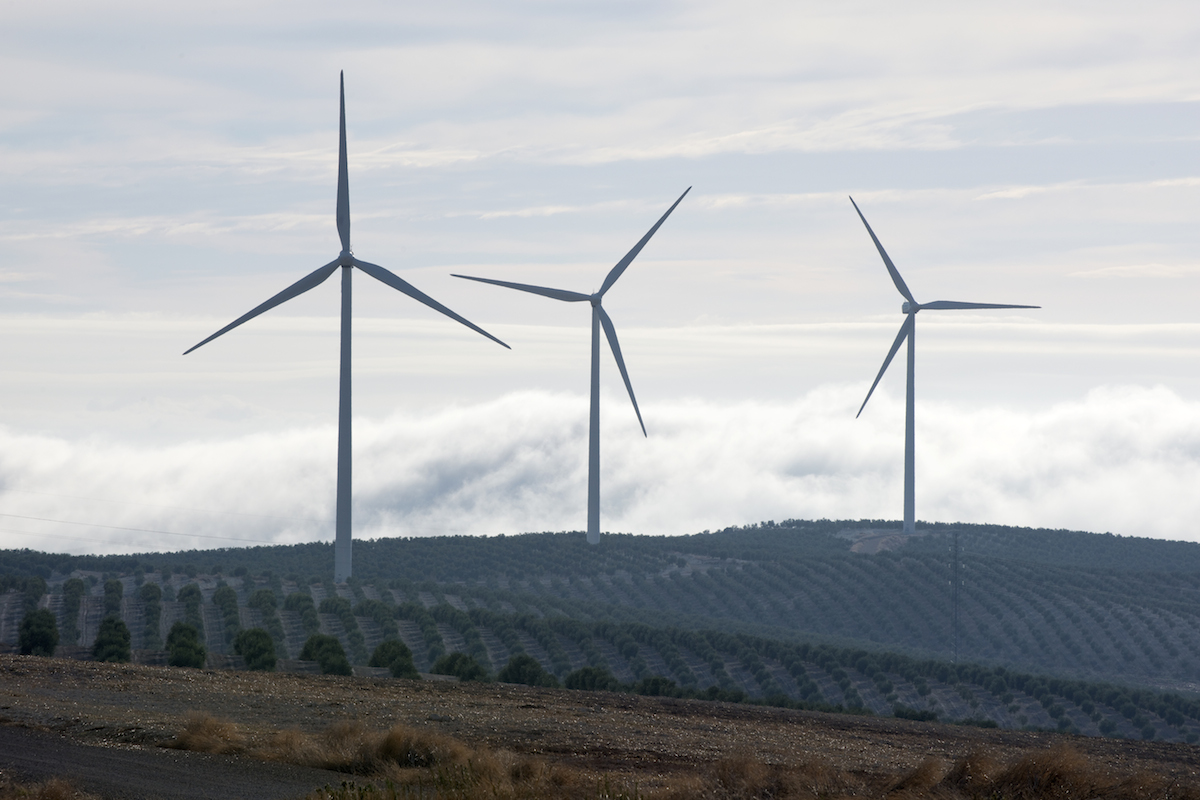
point(1140, 271)
point(1122, 459)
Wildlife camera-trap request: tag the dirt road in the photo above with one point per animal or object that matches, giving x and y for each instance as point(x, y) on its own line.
point(138, 773)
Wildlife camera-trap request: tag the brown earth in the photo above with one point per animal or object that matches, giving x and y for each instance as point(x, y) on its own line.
point(651, 741)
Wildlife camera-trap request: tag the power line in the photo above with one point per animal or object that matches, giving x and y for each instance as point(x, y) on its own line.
point(174, 508)
point(136, 530)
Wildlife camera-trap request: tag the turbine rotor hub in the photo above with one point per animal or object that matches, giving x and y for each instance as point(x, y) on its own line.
point(595, 299)
point(910, 308)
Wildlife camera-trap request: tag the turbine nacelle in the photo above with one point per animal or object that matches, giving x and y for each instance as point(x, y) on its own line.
point(600, 321)
point(906, 333)
point(345, 260)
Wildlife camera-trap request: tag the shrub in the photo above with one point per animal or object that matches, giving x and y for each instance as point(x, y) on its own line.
point(302, 605)
point(383, 614)
point(225, 599)
point(526, 669)
point(73, 591)
point(207, 734)
point(461, 666)
point(656, 686)
point(151, 596)
point(340, 607)
point(904, 712)
point(592, 679)
point(328, 653)
point(191, 598)
point(39, 633)
point(114, 590)
point(257, 648)
point(112, 641)
point(395, 655)
point(429, 630)
point(184, 648)
point(264, 601)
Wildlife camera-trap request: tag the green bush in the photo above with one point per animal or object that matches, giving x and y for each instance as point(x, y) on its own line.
point(257, 648)
point(526, 669)
point(225, 599)
point(328, 653)
point(920, 715)
point(264, 601)
point(460, 665)
point(31, 586)
point(112, 641)
point(302, 605)
point(114, 590)
point(39, 633)
point(191, 598)
point(340, 607)
point(151, 596)
point(592, 679)
point(184, 648)
point(429, 630)
point(395, 655)
point(383, 614)
point(72, 593)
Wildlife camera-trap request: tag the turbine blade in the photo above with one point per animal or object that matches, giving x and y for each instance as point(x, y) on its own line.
point(905, 330)
point(396, 282)
point(611, 333)
point(895, 273)
point(343, 189)
point(621, 265)
point(312, 280)
point(557, 294)
point(947, 305)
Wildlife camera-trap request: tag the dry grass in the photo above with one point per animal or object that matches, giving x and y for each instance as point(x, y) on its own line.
point(415, 763)
point(1063, 773)
point(203, 733)
point(53, 789)
point(407, 762)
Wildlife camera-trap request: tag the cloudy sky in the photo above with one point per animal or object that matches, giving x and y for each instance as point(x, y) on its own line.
point(163, 171)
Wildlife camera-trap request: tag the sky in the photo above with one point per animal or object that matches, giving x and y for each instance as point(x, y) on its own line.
point(164, 169)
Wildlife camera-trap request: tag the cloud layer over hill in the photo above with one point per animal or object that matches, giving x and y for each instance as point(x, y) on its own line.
point(1121, 459)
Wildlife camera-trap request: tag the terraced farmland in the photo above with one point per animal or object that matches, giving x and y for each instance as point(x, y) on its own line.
point(826, 614)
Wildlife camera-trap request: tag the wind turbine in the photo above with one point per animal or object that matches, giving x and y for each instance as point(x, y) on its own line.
point(346, 261)
point(908, 331)
point(599, 318)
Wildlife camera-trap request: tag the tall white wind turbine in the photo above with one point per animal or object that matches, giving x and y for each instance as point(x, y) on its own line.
point(908, 330)
point(599, 318)
point(346, 261)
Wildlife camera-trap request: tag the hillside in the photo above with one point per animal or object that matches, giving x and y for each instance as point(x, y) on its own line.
point(822, 613)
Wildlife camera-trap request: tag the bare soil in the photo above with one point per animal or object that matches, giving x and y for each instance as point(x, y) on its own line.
point(652, 741)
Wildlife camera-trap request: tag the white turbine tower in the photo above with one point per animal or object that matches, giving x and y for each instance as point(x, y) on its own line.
point(599, 318)
point(346, 261)
point(908, 331)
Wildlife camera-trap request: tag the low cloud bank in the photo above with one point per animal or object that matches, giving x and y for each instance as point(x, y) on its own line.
point(1121, 459)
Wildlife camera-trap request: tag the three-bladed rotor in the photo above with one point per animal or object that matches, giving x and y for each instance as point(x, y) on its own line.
point(595, 298)
point(346, 258)
point(347, 262)
point(600, 320)
point(910, 307)
point(908, 333)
